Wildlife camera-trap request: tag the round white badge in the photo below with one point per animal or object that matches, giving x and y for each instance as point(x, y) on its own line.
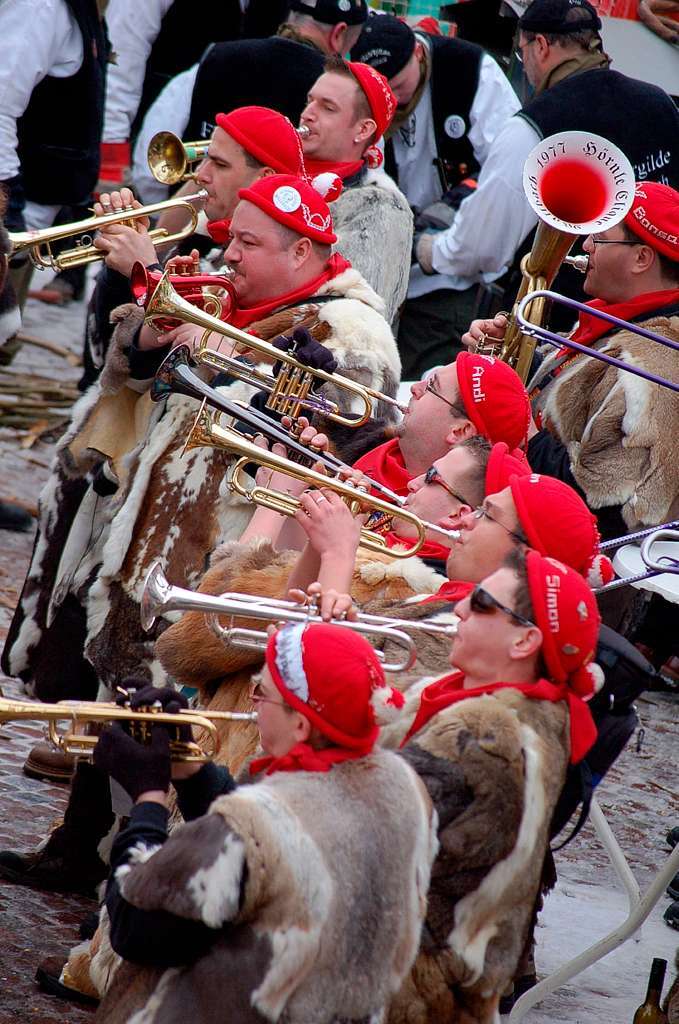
point(454, 126)
point(344, 5)
point(287, 199)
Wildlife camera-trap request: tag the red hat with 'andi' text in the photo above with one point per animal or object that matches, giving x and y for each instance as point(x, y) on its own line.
point(494, 398)
point(654, 217)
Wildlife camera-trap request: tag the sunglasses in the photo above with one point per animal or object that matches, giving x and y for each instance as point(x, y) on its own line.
point(432, 476)
point(483, 603)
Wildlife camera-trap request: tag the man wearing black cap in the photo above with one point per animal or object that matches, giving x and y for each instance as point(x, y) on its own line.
point(453, 100)
point(575, 90)
point(277, 72)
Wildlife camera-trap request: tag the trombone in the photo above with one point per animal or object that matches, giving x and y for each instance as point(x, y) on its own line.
point(79, 713)
point(175, 377)
point(206, 432)
point(653, 567)
point(159, 596)
point(170, 159)
point(534, 330)
point(291, 390)
point(39, 243)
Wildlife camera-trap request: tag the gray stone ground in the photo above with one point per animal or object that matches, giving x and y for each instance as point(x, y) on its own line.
point(639, 799)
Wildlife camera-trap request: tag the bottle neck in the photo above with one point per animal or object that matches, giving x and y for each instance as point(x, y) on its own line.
point(655, 982)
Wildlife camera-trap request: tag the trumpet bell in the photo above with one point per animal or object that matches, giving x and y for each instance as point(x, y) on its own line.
point(154, 596)
point(169, 158)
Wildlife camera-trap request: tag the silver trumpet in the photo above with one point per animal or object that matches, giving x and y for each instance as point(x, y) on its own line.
point(159, 596)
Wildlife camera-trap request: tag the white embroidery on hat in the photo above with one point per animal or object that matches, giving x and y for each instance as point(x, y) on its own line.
point(287, 199)
point(582, 611)
point(478, 393)
point(553, 584)
point(316, 220)
point(289, 652)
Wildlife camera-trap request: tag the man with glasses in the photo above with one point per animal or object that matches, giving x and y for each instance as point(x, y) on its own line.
point(607, 433)
point(492, 742)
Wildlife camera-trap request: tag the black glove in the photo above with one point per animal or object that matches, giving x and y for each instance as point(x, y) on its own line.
point(304, 347)
point(136, 767)
point(143, 695)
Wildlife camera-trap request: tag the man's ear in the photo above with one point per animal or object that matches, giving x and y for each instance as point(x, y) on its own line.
point(527, 644)
point(302, 728)
point(646, 256)
point(453, 520)
point(337, 36)
point(366, 130)
point(302, 251)
point(460, 431)
point(266, 172)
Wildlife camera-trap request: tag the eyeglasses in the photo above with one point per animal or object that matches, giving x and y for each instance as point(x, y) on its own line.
point(614, 241)
point(484, 603)
point(257, 695)
point(483, 513)
point(432, 390)
point(432, 476)
point(518, 52)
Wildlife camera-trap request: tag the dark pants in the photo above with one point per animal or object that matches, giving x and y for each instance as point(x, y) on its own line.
point(430, 329)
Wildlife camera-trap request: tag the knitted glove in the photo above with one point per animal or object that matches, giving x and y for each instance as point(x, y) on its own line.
point(142, 695)
point(137, 768)
point(304, 347)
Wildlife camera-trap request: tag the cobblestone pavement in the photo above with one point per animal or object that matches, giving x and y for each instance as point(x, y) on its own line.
point(639, 798)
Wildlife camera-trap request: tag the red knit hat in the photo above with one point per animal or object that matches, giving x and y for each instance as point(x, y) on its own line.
point(557, 523)
point(494, 398)
point(381, 99)
point(565, 609)
point(503, 465)
point(266, 135)
point(333, 677)
point(654, 217)
point(294, 203)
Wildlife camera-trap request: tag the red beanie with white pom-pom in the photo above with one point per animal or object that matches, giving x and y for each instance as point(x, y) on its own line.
point(557, 523)
point(333, 677)
point(296, 204)
point(566, 612)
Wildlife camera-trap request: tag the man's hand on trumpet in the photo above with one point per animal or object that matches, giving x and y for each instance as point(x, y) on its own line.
point(486, 334)
point(123, 243)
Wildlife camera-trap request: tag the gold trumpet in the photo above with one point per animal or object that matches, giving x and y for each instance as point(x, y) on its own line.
point(39, 242)
point(170, 159)
point(80, 713)
point(291, 391)
point(205, 432)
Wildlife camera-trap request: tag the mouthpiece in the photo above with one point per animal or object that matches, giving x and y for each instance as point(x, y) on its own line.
point(452, 534)
point(581, 263)
point(303, 131)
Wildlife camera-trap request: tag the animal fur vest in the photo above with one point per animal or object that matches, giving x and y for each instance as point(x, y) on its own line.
point(98, 537)
point(620, 430)
point(320, 884)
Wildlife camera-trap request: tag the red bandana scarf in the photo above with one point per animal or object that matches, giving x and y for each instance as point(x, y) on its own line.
point(452, 590)
point(449, 690)
point(246, 315)
point(303, 758)
point(385, 465)
point(430, 549)
point(591, 328)
point(343, 169)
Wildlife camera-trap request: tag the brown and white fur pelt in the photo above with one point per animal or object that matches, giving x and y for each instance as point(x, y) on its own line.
point(193, 655)
point(494, 767)
point(322, 879)
point(374, 227)
point(168, 507)
point(620, 430)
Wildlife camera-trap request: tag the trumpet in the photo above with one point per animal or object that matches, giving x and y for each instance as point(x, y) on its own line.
point(39, 243)
point(175, 377)
point(291, 390)
point(81, 713)
point(169, 158)
point(206, 432)
point(160, 596)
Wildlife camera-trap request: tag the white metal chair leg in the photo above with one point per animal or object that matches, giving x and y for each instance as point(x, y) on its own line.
point(615, 854)
point(635, 918)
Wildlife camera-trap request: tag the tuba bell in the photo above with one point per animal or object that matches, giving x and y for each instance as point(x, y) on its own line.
point(576, 183)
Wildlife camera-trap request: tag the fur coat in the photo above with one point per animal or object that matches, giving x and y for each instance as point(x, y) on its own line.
point(321, 881)
point(133, 498)
point(494, 767)
point(192, 654)
point(374, 227)
point(620, 430)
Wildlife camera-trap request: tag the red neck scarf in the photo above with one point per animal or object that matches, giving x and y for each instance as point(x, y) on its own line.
point(343, 169)
point(303, 758)
point(590, 328)
point(449, 690)
point(246, 315)
point(452, 590)
point(385, 465)
point(430, 549)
